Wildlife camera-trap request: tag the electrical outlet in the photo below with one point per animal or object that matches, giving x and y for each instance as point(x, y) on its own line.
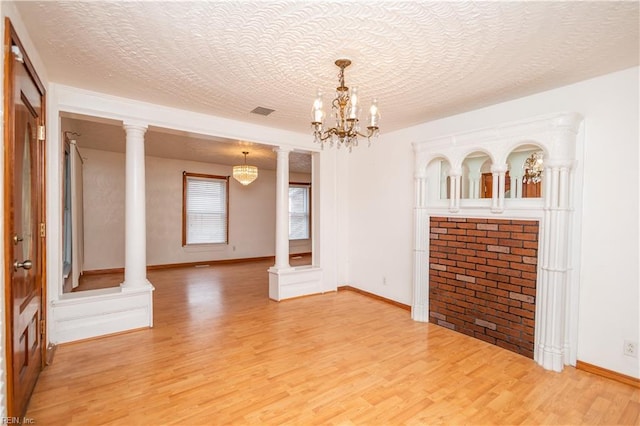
point(384, 280)
point(630, 348)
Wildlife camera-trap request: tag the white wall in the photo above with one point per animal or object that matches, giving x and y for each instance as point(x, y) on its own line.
point(251, 212)
point(381, 200)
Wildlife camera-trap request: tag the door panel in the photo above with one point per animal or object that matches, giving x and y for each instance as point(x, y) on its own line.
point(24, 206)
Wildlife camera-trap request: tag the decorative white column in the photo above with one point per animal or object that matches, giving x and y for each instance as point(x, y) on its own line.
point(498, 172)
point(552, 348)
point(286, 282)
point(282, 208)
point(135, 265)
point(454, 201)
point(420, 306)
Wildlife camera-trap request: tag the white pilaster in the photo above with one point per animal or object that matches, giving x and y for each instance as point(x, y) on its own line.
point(552, 346)
point(135, 266)
point(420, 306)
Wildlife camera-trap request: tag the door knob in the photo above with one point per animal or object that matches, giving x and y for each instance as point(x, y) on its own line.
point(24, 265)
point(16, 239)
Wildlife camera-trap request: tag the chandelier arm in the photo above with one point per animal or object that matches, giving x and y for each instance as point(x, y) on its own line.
point(371, 131)
point(324, 135)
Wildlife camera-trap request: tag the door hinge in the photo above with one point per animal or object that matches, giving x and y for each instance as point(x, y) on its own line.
point(43, 230)
point(42, 328)
point(41, 133)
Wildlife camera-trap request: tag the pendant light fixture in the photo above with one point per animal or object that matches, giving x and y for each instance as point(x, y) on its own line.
point(346, 108)
point(244, 173)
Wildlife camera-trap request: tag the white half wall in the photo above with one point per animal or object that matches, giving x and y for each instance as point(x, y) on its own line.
point(606, 267)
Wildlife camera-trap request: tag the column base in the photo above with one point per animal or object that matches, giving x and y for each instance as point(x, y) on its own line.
point(420, 313)
point(87, 314)
point(550, 358)
point(132, 285)
point(286, 283)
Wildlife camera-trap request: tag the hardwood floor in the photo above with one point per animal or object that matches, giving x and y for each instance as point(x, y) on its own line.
point(222, 353)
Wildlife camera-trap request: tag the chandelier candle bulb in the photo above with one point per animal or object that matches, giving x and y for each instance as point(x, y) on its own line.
point(317, 113)
point(374, 114)
point(353, 104)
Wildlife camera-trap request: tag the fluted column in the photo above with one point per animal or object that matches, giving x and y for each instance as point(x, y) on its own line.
point(552, 347)
point(420, 306)
point(282, 208)
point(135, 264)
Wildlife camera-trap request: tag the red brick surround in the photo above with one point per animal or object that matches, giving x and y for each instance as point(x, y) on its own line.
point(482, 279)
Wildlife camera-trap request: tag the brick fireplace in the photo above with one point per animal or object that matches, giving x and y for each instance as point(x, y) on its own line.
point(482, 275)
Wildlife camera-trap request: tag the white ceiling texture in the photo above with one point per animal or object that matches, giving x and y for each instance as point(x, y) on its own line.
point(423, 60)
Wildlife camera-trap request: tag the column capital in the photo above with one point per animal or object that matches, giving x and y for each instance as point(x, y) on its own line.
point(554, 163)
point(455, 172)
point(499, 168)
point(282, 149)
point(135, 124)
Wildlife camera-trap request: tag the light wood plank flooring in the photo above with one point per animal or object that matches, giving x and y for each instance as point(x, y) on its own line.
point(222, 353)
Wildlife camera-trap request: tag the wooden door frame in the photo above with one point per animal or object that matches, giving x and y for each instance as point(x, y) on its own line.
point(11, 38)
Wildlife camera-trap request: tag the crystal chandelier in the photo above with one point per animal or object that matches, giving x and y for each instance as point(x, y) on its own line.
point(533, 168)
point(345, 109)
point(244, 173)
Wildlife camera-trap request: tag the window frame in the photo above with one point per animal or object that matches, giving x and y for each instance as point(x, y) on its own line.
point(185, 176)
point(306, 185)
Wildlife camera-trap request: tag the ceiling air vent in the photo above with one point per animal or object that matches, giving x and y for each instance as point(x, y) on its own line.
point(262, 111)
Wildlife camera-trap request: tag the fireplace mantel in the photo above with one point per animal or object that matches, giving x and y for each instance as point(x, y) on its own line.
point(555, 135)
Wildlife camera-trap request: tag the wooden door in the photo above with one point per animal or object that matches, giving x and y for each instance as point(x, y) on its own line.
point(24, 224)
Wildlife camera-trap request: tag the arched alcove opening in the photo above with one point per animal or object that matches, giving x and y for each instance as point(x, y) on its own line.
point(437, 172)
point(525, 175)
point(475, 169)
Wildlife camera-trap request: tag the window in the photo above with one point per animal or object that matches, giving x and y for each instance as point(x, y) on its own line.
point(205, 206)
point(299, 211)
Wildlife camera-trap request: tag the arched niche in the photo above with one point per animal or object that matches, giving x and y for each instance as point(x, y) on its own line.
point(476, 176)
point(437, 172)
point(524, 178)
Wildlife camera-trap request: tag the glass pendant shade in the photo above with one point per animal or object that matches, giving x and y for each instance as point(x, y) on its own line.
point(244, 173)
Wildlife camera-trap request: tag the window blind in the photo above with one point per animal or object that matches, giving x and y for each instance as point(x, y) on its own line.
point(206, 210)
point(298, 212)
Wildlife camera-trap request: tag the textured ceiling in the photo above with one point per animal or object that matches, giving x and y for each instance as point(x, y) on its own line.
point(422, 59)
point(106, 135)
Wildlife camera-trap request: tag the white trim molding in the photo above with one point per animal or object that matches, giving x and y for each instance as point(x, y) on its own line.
point(553, 134)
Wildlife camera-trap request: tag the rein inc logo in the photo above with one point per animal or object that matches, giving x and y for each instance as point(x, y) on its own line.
point(17, 421)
